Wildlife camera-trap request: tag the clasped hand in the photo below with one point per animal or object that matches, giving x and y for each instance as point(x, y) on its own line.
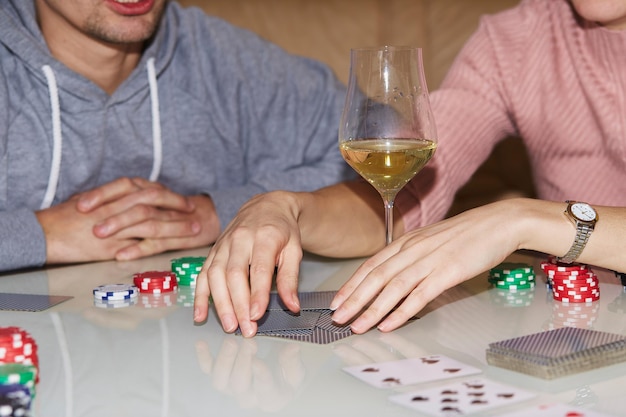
point(126, 219)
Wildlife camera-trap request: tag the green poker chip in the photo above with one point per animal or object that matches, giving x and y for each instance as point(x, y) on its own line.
point(187, 269)
point(512, 276)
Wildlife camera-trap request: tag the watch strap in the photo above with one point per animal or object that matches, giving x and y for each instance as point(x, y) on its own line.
point(583, 231)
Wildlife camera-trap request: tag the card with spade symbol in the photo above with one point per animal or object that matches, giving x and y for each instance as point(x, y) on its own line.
point(411, 371)
point(461, 398)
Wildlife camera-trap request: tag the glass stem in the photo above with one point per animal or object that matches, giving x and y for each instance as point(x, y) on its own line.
point(388, 219)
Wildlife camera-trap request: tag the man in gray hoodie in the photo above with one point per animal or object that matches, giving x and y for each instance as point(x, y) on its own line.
point(132, 127)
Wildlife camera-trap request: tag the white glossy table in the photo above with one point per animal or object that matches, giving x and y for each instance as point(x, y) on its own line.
point(155, 362)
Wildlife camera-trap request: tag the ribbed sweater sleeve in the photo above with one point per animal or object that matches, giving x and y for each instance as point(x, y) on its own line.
point(540, 73)
point(471, 116)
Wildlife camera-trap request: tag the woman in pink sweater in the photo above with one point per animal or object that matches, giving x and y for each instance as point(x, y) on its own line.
point(552, 72)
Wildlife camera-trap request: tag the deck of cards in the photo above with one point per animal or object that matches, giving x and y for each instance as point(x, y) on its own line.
point(560, 352)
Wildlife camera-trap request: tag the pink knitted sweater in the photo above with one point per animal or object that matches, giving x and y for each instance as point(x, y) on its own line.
point(535, 71)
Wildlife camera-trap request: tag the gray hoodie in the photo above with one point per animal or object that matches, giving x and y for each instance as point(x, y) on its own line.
point(210, 108)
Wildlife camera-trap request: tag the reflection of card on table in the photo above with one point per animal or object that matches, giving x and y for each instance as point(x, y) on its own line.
point(29, 302)
point(314, 323)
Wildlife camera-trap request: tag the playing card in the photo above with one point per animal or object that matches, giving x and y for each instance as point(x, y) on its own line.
point(410, 371)
point(325, 331)
point(555, 410)
point(30, 302)
point(460, 398)
point(279, 320)
point(315, 300)
point(313, 324)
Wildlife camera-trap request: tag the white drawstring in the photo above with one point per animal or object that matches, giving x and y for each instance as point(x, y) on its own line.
point(157, 143)
point(57, 138)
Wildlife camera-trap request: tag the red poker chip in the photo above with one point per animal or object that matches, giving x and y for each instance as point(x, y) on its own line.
point(548, 267)
point(562, 286)
point(566, 300)
point(26, 348)
point(576, 298)
point(576, 291)
point(18, 346)
point(157, 291)
point(572, 287)
point(155, 275)
point(156, 282)
point(575, 278)
point(591, 286)
point(163, 285)
point(570, 274)
point(140, 282)
point(152, 289)
point(155, 279)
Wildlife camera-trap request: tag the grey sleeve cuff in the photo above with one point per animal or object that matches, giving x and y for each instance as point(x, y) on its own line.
point(228, 201)
point(22, 241)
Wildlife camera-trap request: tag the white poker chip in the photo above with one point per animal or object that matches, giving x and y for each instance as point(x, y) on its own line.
point(115, 291)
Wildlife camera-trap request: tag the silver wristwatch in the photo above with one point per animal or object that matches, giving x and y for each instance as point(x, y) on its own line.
point(584, 218)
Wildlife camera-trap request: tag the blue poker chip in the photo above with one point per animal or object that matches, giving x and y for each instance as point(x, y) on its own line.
point(115, 292)
point(117, 297)
point(15, 400)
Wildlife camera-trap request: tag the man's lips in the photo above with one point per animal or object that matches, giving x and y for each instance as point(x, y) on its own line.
point(131, 7)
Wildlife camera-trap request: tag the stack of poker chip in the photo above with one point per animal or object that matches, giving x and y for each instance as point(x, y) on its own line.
point(571, 283)
point(155, 282)
point(512, 276)
point(115, 295)
point(19, 374)
point(187, 269)
point(17, 346)
point(15, 400)
point(18, 371)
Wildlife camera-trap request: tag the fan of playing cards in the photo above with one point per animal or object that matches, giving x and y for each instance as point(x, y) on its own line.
point(313, 324)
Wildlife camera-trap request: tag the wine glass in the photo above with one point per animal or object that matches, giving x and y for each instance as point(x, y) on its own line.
point(387, 132)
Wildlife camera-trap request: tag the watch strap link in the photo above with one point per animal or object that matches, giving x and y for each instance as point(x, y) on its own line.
point(583, 231)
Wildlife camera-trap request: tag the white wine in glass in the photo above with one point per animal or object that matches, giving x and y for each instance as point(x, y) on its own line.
point(387, 132)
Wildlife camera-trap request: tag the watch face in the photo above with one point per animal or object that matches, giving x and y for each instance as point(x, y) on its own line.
point(583, 211)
